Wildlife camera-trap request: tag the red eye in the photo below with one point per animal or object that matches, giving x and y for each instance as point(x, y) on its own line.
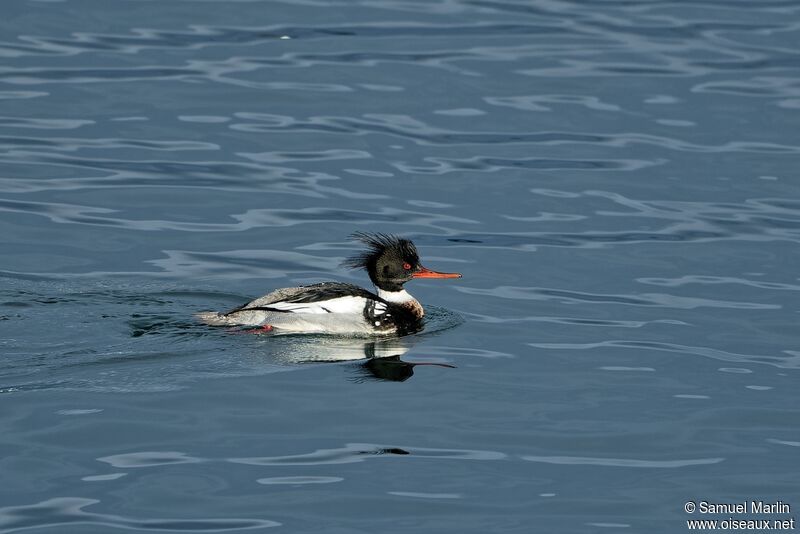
point(407, 266)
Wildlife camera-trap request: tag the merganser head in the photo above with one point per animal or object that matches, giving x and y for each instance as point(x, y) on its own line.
point(390, 261)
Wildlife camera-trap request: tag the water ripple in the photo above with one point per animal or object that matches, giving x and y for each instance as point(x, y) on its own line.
point(64, 144)
point(262, 263)
point(149, 459)
point(255, 218)
point(12, 95)
point(65, 511)
point(659, 300)
point(421, 495)
point(201, 36)
point(45, 75)
point(790, 361)
point(321, 155)
point(755, 219)
point(410, 128)
point(579, 321)
point(43, 124)
point(691, 279)
point(359, 452)
point(215, 175)
point(350, 453)
point(299, 480)
point(442, 166)
point(538, 102)
point(771, 87)
point(622, 462)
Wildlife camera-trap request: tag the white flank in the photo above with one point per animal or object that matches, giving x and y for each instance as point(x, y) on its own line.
point(396, 297)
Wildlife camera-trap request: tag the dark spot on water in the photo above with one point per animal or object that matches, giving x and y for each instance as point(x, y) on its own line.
point(393, 450)
point(16, 304)
point(386, 450)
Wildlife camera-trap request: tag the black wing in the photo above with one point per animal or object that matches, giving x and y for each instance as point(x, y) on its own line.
point(281, 300)
point(331, 290)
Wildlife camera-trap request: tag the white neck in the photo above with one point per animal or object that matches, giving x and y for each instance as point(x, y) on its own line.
point(396, 297)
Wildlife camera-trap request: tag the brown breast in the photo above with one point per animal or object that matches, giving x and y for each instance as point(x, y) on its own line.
point(414, 307)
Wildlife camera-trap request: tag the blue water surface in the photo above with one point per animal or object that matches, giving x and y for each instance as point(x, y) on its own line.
point(616, 180)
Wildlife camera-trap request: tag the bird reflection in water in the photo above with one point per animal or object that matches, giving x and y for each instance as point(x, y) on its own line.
point(390, 368)
point(376, 359)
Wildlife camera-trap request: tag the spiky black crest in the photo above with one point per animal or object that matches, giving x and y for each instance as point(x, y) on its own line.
point(378, 244)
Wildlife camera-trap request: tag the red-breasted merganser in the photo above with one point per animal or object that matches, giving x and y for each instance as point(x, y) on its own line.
point(340, 308)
